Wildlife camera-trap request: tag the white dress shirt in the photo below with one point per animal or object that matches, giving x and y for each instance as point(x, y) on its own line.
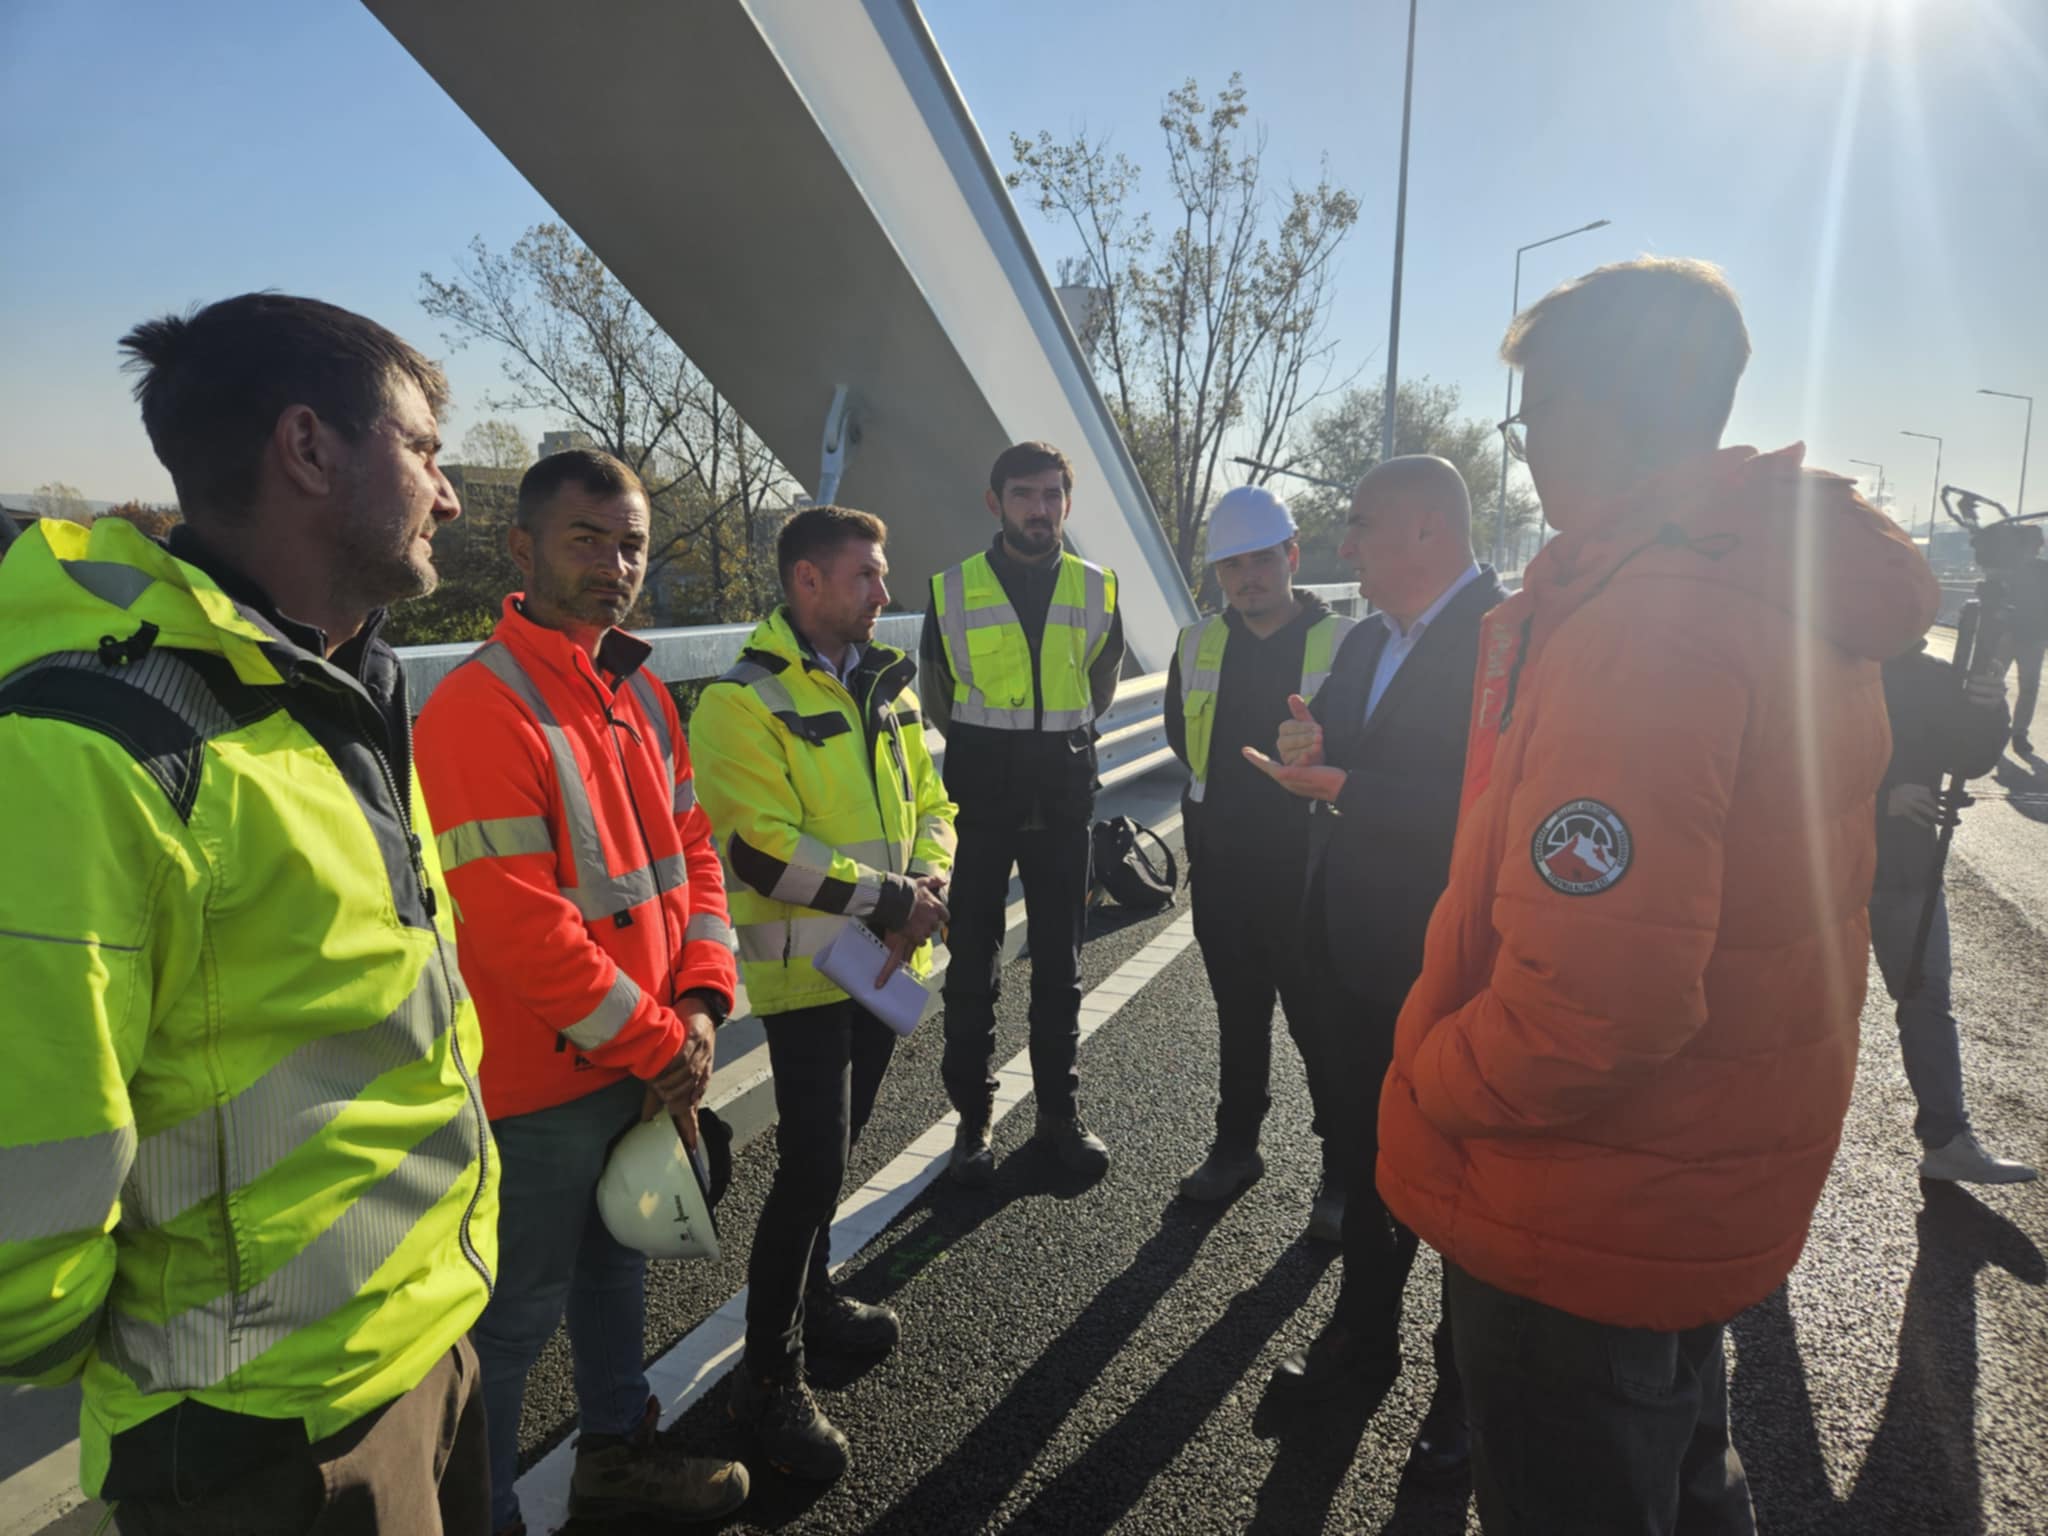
point(1400, 642)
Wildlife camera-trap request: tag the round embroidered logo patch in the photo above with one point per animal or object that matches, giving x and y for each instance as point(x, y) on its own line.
point(1582, 848)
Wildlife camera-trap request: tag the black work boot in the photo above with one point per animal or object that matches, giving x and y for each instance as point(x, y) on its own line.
point(1079, 1149)
point(1442, 1452)
point(1326, 1215)
point(972, 1164)
point(791, 1430)
point(838, 1325)
point(1230, 1168)
point(642, 1473)
point(1340, 1363)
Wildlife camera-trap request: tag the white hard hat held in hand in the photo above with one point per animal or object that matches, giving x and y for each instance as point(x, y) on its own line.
point(1247, 518)
point(655, 1194)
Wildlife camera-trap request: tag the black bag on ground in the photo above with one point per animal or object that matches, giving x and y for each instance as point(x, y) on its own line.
point(1126, 868)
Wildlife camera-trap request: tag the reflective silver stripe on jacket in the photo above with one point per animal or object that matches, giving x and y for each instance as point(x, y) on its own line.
point(180, 1165)
point(501, 837)
point(596, 893)
point(609, 1017)
point(686, 796)
point(709, 927)
point(201, 1346)
point(66, 1185)
point(650, 701)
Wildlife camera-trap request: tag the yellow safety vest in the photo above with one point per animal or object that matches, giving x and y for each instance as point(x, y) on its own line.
point(1201, 670)
point(991, 660)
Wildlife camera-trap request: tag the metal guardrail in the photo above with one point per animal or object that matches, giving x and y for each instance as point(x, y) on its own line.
point(1132, 744)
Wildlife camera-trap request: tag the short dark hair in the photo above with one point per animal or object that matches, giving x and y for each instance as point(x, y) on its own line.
point(590, 470)
point(1021, 459)
point(215, 380)
point(817, 532)
point(1662, 335)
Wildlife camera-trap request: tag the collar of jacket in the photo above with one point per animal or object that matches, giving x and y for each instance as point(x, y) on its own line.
point(1009, 567)
point(1313, 611)
point(619, 654)
point(66, 587)
point(363, 656)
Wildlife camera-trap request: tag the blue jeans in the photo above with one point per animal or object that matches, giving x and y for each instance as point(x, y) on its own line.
point(1928, 1041)
point(555, 1251)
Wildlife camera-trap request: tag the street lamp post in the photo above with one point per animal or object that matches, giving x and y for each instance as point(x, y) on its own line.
point(1877, 499)
point(1400, 239)
point(2019, 505)
point(1500, 510)
point(1934, 500)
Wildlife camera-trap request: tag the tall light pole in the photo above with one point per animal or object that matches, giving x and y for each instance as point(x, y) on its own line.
point(1400, 237)
point(2019, 506)
point(1873, 464)
point(1500, 509)
point(1934, 500)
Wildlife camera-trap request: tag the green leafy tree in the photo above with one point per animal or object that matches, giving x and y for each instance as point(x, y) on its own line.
point(1210, 338)
point(573, 342)
point(496, 444)
point(1343, 442)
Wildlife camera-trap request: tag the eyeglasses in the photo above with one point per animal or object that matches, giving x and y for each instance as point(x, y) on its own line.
point(1512, 432)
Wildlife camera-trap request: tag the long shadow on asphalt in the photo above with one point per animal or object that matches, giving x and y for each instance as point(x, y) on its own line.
point(2025, 781)
point(1101, 1486)
point(1920, 1471)
point(964, 1490)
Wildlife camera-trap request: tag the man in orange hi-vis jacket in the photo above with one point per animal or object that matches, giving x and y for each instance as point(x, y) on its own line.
point(1620, 1080)
point(592, 929)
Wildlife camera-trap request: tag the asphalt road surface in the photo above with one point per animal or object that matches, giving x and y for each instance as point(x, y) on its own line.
point(1092, 1358)
point(1083, 1358)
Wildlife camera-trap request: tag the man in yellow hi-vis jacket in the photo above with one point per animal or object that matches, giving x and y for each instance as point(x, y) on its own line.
point(811, 763)
point(1022, 649)
point(251, 1197)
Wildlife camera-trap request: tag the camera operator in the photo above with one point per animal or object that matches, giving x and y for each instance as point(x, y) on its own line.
point(1937, 728)
point(2011, 556)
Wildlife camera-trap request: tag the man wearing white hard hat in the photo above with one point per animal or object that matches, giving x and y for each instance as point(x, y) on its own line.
point(1248, 838)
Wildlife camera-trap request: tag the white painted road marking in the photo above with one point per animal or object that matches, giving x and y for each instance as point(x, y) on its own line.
point(703, 1355)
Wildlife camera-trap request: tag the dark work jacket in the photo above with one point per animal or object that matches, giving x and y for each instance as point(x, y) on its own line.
point(1935, 732)
point(1010, 774)
point(1381, 854)
point(1247, 822)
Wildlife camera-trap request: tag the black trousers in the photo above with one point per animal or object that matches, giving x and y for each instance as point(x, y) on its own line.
point(2028, 660)
point(1052, 859)
point(1580, 1426)
point(828, 1064)
point(1248, 925)
point(1379, 1251)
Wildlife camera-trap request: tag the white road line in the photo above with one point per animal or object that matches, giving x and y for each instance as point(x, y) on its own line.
point(41, 1494)
point(713, 1347)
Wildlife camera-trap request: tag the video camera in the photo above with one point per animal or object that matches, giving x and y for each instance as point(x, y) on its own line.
point(1986, 641)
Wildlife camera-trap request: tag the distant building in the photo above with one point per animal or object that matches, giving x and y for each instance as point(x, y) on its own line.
point(562, 442)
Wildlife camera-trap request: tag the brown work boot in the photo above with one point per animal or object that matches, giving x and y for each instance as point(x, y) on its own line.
point(642, 1473)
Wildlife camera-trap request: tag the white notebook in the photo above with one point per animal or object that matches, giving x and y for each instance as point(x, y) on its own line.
point(851, 961)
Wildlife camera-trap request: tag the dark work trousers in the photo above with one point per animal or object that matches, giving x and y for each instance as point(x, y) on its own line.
point(1052, 860)
point(1580, 1426)
point(828, 1064)
point(418, 1465)
point(1379, 1252)
point(1248, 924)
point(2028, 660)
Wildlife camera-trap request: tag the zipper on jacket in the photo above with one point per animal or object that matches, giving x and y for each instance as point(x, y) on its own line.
point(668, 939)
point(402, 804)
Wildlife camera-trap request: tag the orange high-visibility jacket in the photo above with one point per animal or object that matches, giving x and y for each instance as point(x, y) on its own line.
point(1620, 1080)
point(587, 888)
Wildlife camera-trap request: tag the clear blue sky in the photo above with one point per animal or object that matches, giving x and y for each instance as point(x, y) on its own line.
point(1872, 173)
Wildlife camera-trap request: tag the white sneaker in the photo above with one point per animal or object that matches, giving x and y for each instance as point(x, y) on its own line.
point(1962, 1161)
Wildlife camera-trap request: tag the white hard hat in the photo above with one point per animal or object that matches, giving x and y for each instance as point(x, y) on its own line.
point(1247, 518)
point(654, 1195)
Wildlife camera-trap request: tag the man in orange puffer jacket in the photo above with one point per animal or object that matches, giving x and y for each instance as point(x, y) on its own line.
point(1621, 1077)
